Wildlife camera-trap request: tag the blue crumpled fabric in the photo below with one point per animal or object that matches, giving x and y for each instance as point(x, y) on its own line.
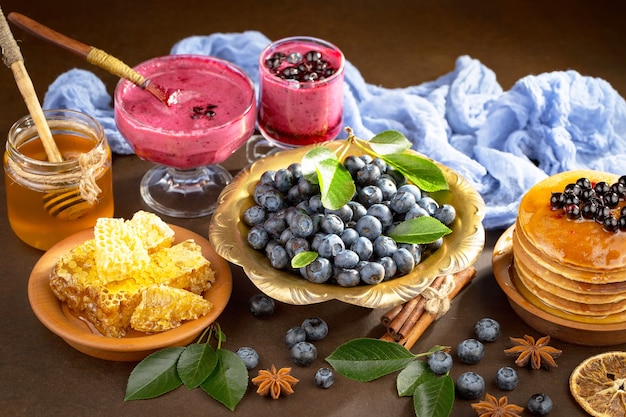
point(502, 142)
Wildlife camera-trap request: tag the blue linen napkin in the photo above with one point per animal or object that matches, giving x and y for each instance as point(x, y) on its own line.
point(501, 142)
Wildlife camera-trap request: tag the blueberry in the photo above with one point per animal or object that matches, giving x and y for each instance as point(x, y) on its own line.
point(372, 273)
point(358, 210)
point(487, 330)
point(296, 170)
point(353, 164)
point(440, 362)
point(470, 351)
point(272, 200)
point(293, 336)
point(369, 195)
point(344, 212)
point(428, 204)
point(315, 203)
point(404, 261)
point(257, 237)
point(301, 224)
point(382, 213)
point(470, 386)
point(295, 245)
point(274, 226)
point(307, 188)
point(415, 212)
point(369, 227)
point(363, 247)
point(390, 267)
point(332, 223)
point(267, 177)
point(249, 356)
point(283, 180)
point(330, 245)
point(319, 271)
point(506, 378)
point(254, 216)
point(346, 259)
point(539, 404)
point(315, 328)
point(324, 378)
point(433, 246)
point(413, 189)
point(414, 249)
point(347, 277)
point(303, 353)
point(402, 202)
point(368, 175)
point(445, 213)
point(385, 246)
point(278, 257)
point(260, 305)
point(349, 235)
point(387, 187)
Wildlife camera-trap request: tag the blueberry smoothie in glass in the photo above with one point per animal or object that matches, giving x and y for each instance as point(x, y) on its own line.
point(301, 92)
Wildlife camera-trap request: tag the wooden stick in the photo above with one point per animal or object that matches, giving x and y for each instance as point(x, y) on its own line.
point(461, 279)
point(14, 60)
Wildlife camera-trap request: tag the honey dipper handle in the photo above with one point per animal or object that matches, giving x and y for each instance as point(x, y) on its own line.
point(14, 60)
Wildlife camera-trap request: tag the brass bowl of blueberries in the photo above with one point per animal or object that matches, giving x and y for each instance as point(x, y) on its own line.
point(300, 244)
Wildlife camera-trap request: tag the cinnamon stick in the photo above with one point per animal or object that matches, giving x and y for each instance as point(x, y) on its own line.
point(388, 317)
point(461, 279)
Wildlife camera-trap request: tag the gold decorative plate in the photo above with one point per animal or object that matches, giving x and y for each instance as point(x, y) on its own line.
point(228, 234)
point(546, 320)
point(135, 345)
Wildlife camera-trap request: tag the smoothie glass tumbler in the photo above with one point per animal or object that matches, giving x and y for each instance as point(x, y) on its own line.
point(187, 141)
point(49, 201)
point(301, 91)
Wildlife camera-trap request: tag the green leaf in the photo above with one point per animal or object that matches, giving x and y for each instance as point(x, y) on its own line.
point(434, 397)
point(366, 359)
point(410, 377)
point(228, 381)
point(336, 184)
point(420, 230)
point(155, 375)
point(196, 363)
point(389, 142)
point(303, 259)
point(420, 171)
point(310, 160)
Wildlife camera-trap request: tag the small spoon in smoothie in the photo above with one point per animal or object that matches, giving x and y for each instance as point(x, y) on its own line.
point(168, 96)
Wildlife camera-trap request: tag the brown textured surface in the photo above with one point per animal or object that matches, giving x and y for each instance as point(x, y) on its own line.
point(394, 43)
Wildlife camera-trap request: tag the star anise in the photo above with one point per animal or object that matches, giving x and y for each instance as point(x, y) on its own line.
point(274, 383)
point(493, 407)
point(537, 353)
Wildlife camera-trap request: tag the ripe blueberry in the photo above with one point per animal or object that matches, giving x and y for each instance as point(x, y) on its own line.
point(470, 351)
point(324, 378)
point(539, 404)
point(249, 356)
point(260, 305)
point(303, 353)
point(487, 329)
point(293, 336)
point(506, 378)
point(315, 328)
point(470, 386)
point(440, 362)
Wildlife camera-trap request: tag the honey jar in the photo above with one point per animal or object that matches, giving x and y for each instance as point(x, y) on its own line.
point(48, 201)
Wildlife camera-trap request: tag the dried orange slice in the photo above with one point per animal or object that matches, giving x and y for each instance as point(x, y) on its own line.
point(599, 384)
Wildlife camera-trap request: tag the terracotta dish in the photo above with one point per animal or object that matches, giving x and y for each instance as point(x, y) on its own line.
point(135, 345)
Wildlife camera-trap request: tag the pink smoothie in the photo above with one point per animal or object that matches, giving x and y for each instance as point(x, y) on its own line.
point(215, 113)
point(304, 110)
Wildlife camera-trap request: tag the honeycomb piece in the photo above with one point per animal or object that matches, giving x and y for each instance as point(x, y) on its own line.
point(73, 273)
point(154, 233)
point(119, 251)
point(181, 266)
point(109, 307)
point(164, 308)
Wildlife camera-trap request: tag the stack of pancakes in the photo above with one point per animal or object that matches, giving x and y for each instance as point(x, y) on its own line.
point(572, 269)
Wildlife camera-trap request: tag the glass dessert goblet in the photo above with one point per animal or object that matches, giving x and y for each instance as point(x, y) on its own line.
point(213, 113)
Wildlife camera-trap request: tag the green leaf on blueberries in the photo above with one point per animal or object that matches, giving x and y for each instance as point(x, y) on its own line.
point(196, 363)
point(155, 375)
point(310, 160)
point(420, 230)
point(366, 359)
point(410, 377)
point(420, 171)
point(389, 142)
point(336, 184)
point(303, 259)
point(228, 381)
point(434, 397)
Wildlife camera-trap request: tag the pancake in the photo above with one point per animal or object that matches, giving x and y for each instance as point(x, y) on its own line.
point(573, 265)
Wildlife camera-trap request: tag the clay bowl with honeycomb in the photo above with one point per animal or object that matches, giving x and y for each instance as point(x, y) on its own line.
point(135, 345)
point(545, 321)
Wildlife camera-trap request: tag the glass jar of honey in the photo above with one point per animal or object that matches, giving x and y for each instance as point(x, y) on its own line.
point(48, 201)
